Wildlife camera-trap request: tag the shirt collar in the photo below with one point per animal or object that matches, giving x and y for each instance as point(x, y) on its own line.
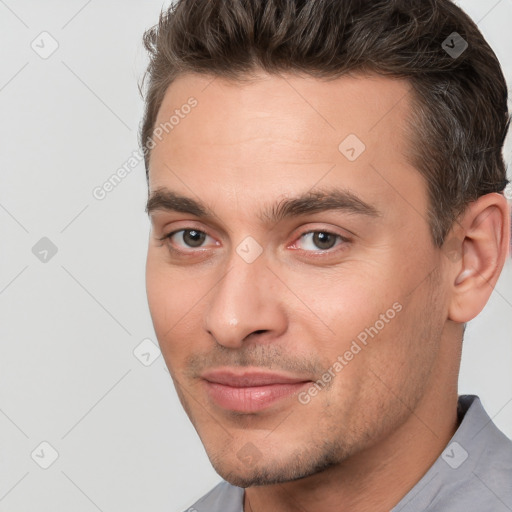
point(458, 460)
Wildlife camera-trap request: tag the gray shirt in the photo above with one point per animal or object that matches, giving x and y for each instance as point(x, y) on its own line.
point(474, 473)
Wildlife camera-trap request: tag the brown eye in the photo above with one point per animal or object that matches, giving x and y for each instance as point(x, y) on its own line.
point(324, 240)
point(185, 239)
point(192, 237)
point(319, 240)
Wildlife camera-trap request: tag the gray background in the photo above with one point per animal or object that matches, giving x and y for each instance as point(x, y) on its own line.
point(69, 325)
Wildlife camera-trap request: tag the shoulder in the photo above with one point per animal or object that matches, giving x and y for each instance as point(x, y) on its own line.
point(224, 497)
point(487, 478)
point(473, 473)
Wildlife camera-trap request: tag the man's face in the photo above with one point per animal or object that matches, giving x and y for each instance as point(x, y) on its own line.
point(251, 308)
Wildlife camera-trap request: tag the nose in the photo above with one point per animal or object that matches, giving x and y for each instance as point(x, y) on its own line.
point(245, 302)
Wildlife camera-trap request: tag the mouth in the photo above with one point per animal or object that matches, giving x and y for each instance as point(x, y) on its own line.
point(250, 391)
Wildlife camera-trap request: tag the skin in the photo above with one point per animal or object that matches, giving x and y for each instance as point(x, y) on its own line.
point(367, 438)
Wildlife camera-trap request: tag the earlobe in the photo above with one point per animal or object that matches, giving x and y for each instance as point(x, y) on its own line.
point(485, 229)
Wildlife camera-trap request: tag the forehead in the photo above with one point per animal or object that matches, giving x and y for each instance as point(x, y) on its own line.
point(283, 131)
point(314, 111)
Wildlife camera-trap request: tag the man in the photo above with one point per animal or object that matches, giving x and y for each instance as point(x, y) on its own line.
point(326, 197)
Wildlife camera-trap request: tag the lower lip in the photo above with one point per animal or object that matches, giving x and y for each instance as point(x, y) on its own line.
point(251, 399)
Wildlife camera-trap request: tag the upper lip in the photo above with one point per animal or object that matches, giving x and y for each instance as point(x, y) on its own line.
point(248, 379)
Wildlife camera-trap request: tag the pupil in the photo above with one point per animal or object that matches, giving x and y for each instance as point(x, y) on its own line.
point(195, 237)
point(322, 241)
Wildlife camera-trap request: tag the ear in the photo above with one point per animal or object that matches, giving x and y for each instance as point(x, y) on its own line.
point(481, 237)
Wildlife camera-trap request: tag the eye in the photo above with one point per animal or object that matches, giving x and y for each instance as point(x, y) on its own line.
point(311, 241)
point(320, 240)
point(190, 238)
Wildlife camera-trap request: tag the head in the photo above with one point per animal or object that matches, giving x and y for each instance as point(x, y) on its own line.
point(320, 175)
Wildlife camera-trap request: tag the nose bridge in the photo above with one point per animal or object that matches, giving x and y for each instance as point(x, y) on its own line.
point(241, 301)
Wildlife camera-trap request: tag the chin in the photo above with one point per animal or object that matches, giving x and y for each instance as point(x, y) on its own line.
point(270, 472)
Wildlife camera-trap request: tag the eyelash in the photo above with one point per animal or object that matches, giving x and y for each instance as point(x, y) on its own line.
point(319, 252)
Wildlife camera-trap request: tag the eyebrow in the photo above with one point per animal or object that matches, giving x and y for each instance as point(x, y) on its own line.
point(308, 203)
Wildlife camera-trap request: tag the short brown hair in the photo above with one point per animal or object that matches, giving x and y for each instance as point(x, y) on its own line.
point(460, 114)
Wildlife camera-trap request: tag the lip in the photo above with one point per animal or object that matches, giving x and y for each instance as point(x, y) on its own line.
point(250, 391)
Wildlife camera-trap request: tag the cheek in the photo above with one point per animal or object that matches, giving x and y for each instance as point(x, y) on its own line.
point(354, 304)
point(371, 325)
point(160, 296)
point(176, 302)
point(167, 296)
